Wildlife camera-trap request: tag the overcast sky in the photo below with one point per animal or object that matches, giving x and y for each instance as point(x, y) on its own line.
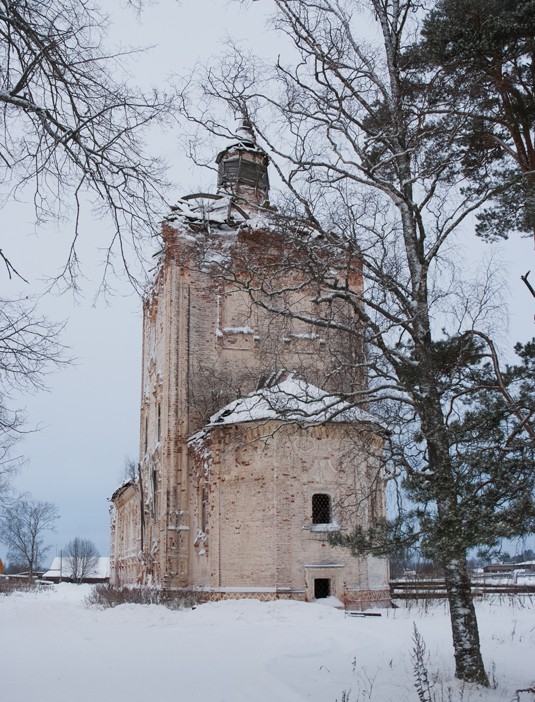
point(89, 419)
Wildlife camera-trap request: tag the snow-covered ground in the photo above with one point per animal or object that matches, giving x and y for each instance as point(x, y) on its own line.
point(54, 648)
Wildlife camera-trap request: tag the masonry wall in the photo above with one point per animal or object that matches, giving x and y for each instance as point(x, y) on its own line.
point(259, 535)
point(125, 535)
point(205, 344)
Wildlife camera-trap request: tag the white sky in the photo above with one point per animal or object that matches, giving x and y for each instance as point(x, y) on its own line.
point(89, 418)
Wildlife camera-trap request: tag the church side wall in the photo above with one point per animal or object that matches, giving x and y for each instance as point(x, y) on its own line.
point(125, 565)
point(260, 534)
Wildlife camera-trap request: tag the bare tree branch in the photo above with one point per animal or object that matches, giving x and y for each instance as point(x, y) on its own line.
point(72, 129)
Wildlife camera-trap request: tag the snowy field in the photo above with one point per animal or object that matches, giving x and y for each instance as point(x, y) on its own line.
point(54, 648)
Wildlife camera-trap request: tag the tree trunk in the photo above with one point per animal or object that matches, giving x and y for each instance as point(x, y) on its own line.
point(468, 660)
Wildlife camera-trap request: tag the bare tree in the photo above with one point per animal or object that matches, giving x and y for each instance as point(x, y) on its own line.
point(81, 558)
point(29, 348)
point(373, 182)
point(8, 465)
point(29, 344)
point(72, 129)
point(130, 470)
point(22, 527)
point(71, 133)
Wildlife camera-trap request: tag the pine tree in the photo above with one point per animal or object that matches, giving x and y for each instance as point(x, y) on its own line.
point(485, 50)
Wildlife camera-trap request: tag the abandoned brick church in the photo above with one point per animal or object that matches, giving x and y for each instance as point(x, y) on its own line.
point(248, 458)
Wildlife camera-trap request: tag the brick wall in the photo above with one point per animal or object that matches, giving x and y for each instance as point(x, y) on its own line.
point(204, 344)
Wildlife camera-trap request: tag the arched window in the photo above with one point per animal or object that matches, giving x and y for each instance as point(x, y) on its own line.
point(321, 508)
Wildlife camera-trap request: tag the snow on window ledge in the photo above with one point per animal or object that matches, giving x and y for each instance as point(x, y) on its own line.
point(332, 526)
point(236, 330)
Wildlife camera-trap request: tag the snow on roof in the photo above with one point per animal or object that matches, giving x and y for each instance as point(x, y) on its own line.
point(204, 208)
point(221, 218)
point(123, 487)
point(243, 139)
point(292, 399)
point(59, 568)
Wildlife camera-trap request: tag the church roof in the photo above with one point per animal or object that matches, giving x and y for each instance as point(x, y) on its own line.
point(293, 400)
point(243, 186)
point(204, 208)
point(244, 140)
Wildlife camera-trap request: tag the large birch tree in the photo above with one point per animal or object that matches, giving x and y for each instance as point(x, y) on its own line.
point(373, 182)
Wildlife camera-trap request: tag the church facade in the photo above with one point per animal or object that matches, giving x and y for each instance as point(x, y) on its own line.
point(249, 458)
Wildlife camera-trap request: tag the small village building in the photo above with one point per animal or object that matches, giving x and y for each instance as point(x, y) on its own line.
point(61, 571)
point(525, 566)
point(249, 455)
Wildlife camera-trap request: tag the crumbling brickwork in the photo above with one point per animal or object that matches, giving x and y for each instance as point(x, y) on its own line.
point(228, 505)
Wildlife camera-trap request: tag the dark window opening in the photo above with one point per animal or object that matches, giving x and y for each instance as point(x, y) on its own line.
point(321, 509)
point(159, 423)
point(146, 433)
point(203, 510)
point(155, 494)
point(322, 588)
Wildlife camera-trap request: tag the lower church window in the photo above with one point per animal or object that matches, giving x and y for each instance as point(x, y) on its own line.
point(321, 508)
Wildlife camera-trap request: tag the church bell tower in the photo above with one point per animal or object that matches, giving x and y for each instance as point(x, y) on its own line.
point(243, 169)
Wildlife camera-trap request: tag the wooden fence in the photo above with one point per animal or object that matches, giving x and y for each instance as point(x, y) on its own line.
point(413, 589)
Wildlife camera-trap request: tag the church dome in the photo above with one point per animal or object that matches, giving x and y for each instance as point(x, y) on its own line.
point(243, 167)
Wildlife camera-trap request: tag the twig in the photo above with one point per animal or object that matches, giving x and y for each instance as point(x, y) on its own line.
point(530, 287)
